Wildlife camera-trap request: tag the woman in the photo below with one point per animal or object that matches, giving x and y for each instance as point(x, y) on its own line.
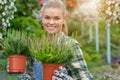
point(54, 22)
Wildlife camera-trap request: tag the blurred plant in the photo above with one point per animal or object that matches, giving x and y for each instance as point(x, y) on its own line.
point(7, 10)
point(3, 64)
point(115, 38)
point(93, 59)
point(27, 23)
point(87, 12)
point(71, 4)
point(105, 72)
point(110, 10)
point(73, 26)
point(37, 15)
point(25, 7)
point(12, 78)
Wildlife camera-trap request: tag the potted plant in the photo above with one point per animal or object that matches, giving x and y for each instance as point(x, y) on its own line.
point(16, 47)
point(51, 55)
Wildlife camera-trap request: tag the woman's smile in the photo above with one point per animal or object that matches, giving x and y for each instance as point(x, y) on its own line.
point(51, 28)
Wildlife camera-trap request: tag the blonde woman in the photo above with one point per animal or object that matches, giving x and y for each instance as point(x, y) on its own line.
point(54, 22)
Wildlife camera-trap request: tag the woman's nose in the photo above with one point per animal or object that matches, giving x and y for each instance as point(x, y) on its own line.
point(51, 21)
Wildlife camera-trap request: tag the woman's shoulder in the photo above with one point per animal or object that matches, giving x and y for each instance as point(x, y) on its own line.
point(71, 40)
point(67, 39)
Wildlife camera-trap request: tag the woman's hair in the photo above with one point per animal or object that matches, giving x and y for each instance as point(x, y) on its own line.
point(57, 4)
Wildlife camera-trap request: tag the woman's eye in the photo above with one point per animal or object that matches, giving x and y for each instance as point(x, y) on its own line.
point(47, 17)
point(57, 18)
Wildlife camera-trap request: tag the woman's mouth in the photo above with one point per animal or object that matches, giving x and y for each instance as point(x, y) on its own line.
point(50, 28)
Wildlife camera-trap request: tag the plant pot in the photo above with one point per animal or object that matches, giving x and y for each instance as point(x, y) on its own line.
point(17, 63)
point(48, 70)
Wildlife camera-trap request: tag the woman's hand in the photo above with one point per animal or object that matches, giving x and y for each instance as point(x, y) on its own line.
point(61, 74)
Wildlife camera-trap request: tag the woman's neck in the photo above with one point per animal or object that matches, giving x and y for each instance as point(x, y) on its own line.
point(53, 36)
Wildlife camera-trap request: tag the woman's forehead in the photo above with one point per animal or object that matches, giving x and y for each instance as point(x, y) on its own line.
point(53, 11)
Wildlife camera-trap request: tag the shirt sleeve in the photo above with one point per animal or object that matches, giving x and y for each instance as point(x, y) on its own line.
point(77, 66)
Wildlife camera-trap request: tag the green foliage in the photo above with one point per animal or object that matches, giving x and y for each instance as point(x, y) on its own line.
point(73, 26)
point(93, 60)
point(90, 48)
point(3, 64)
point(12, 78)
point(17, 43)
point(25, 23)
point(115, 38)
point(50, 52)
point(25, 7)
point(105, 72)
point(71, 5)
point(28, 24)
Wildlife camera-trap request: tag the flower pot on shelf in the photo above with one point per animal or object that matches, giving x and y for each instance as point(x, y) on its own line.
point(48, 70)
point(17, 63)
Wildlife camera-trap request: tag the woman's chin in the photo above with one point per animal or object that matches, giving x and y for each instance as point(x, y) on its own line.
point(51, 32)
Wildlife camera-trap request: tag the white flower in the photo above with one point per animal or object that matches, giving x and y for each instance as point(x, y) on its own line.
point(116, 21)
point(3, 19)
point(113, 2)
point(12, 3)
point(4, 24)
point(15, 9)
point(7, 21)
point(12, 17)
point(5, 1)
point(6, 7)
point(0, 1)
point(109, 8)
point(107, 11)
point(8, 24)
point(3, 13)
point(108, 2)
point(10, 7)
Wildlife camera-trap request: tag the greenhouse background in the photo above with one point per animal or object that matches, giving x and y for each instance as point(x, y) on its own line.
point(94, 23)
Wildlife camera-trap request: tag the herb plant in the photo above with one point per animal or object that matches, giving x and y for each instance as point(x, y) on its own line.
point(51, 52)
point(16, 42)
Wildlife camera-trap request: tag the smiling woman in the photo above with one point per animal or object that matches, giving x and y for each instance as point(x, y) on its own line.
point(54, 22)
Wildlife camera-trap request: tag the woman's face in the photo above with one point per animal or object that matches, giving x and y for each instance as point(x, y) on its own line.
point(53, 20)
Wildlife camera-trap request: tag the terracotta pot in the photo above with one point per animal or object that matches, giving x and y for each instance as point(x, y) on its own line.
point(17, 63)
point(48, 70)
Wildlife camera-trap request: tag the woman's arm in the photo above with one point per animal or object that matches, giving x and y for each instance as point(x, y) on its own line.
point(78, 66)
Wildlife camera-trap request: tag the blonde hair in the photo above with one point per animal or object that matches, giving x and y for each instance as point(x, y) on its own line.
point(57, 4)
